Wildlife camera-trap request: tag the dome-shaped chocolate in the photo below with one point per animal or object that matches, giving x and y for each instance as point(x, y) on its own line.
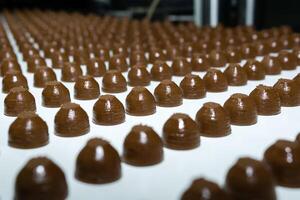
point(34, 63)
point(58, 59)
point(235, 75)
point(255, 70)
point(70, 72)
point(289, 92)
point(114, 82)
point(160, 71)
point(192, 87)
point(217, 58)
point(95, 67)
point(181, 67)
point(287, 60)
point(55, 94)
point(215, 81)
point(42, 75)
point(13, 79)
point(200, 62)
point(233, 55)
point(168, 94)
point(139, 76)
point(118, 62)
point(8, 65)
point(86, 88)
point(271, 65)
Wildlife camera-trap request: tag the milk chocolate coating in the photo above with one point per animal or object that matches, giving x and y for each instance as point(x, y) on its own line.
point(114, 82)
point(235, 75)
point(108, 110)
point(233, 55)
point(55, 94)
point(289, 92)
point(140, 102)
point(287, 60)
point(70, 72)
point(192, 87)
point(241, 109)
point(41, 178)
point(250, 179)
point(271, 64)
point(156, 54)
point(138, 57)
point(139, 76)
point(118, 62)
point(86, 88)
point(58, 59)
point(283, 157)
point(160, 71)
point(19, 99)
point(181, 132)
point(9, 65)
point(215, 81)
point(200, 62)
point(267, 100)
point(34, 63)
point(181, 67)
point(213, 120)
point(96, 67)
point(255, 70)
point(168, 94)
point(98, 163)
point(297, 79)
point(247, 51)
point(43, 75)
point(142, 147)
point(203, 189)
point(13, 79)
point(71, 120)
point(28, 131)
point(217, 58)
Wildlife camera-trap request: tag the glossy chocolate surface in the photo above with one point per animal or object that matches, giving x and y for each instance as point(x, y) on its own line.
point(215, 81)
point(70, 72)
point(287, 60)
point(168, 94)
point(86, 88)
point(96, 67)
point(255, 70)
point(118, 62)
point(181, 67)
point(13, 79)
point(8, 65)
point(160, 71)
point(114, 82)
point(192, 87)
point(34, 63)
point(271, 64)
point(139, 76)
point(289, 92)
point(217, 58)
point(235, 75)
point(200, 62)
point(42, 75)
point(55, 94)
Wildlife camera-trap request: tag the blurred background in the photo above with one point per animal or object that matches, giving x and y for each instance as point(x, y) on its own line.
point(260, 13)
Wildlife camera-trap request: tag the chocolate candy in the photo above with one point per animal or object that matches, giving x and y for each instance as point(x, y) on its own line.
point(138, 57)
point(250, 179)
point(168, 94)
point(42, 75)
point(255, 70)
point(108, 110)
point(215, 81)
point(217, 58)
point(203, 189)
point(192, 87)
point(233, 55)
point(235, 75)
point(241, 109)
point(28, 131)
point(114, 82)
point(98, 163)
point(267, 100)
point(156, 54)
point(283, 157)
point(289, 92)
point(287, 60)
point(55, 94)
point(19, 99)
point(297, 79)
point(41, 178)
point(139, 76)
point(13, 79)
point(34, 63)
point(181, 67)
point(70, 72)
point(71, 120)
point(142, 147)
point(200, 62)
point(180, 132)
point(140, 102)
point(8, 65)
point(271, 64)
point(96, 67)
point(247, 51)
point(118, 62)
point(213, 120)
point(58, 59)
point(86, 88)
point(160, 71)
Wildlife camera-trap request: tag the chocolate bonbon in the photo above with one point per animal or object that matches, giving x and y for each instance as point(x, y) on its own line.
point(271, 65)
point(192, 87)
point(287, 60)
point(118, 62)
point(34, 63)
point(96, 67)
point(70, 72)
point(236, 75)
point(168, 94)
point(86, 88)
point(113, 81)
point(13, 79)
point(42, 75)
point(181, 67)
point(8, 65)
point(200, 62)
point(139, 76)
point(215, 81)
point(255, 70)
point(55, 94)
point(289, 92)
point(160, 71)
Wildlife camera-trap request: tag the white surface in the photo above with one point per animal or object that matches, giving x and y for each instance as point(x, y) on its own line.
point(166, 180)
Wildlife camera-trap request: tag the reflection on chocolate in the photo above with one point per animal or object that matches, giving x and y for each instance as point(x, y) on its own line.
point(108, 110)
point(96, 67)
point(215, 81)
point(70, 72)
point(114, 82)
point(241, 109)
point(142, 147)
point(86, 88)
point(203, 189)
point(137, 57)
point(233, 55)
point(180, 132)
point(235, 75)
point(98, 163)
point(200, 62)
point(289, 92)
point(19, 99)
point(102, 52)
point(8, 65)
point(43, 75)
point(217, 58)
point(160, 71)
point(271, 65)
point(213, 120)
point(140, 102)
point(168, 94)
point(267, 100)
point(192, 87)
point(255, 70)
point(34, 63)
point(247, 51)
point(13, 79)
point(156, 54)
point(41, 178)
point(250, 179)
point(283, 157)
point(118, 62)
point(28, 131)
point(71, 120)
point(58, 59)
point(274, 45)
point(181, 67)
point(139, 76)
point(287, 60)
point(55, 94)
